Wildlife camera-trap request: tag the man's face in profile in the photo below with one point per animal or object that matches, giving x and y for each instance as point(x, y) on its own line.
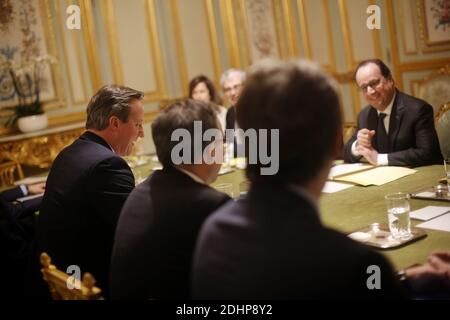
point(131, 130)
point(232, 89)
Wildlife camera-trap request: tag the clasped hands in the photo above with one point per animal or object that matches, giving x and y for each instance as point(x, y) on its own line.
point(432, 276)
point(36, 188)
point(364, 146)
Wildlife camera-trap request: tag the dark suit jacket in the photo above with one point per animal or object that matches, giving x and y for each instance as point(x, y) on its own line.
point(18, 209)
point(156, 233)
point(230, 118)
point(15, 249)
point(412, 137)
point(271, 245)
point(229, 124)
point(86, 189)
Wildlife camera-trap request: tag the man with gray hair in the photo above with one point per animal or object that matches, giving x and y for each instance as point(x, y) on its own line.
point(231, 82)
point(88, 183)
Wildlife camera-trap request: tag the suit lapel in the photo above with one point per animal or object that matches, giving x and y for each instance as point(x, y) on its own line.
point(395, 120)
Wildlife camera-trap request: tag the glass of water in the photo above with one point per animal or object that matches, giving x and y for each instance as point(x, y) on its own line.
point(398, 215)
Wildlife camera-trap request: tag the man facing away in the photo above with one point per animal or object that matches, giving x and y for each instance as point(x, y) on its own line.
point(272, 244)
point(88, 183)
point(394, 129)
point(159, 223)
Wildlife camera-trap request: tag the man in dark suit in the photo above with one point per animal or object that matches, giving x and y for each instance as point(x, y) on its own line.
point(232, 81)
point(88, 183)
point(271, 244)
point(394, 129)
point(16, 237)
point(18, 209)
point(159, 223)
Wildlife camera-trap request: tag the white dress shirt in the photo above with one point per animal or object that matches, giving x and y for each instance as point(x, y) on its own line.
point(382, 158)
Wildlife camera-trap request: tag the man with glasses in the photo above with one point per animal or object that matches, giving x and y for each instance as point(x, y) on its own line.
point(231, 82)
point(394, 129)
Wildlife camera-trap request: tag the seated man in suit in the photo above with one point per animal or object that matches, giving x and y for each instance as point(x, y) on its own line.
point(19, 209)
point(159, 223)
point(272, 244)
point(394, 129)
point(232, 82)
point(160, 220)
point(89, 182)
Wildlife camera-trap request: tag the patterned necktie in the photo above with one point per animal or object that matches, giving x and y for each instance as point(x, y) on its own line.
point(381, 135)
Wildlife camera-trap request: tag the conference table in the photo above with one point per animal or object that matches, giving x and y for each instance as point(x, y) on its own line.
point(357, 207)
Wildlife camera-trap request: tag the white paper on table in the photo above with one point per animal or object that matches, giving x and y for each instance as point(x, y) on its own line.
point(426, 194)
point(441, 223)
point(428, 212)
point(23, 199)
point(31, 180)
point(332, 187)
point(347, 168)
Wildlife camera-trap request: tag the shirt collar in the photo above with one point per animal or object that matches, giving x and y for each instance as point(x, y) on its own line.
point(192, 175)
point(388, 110)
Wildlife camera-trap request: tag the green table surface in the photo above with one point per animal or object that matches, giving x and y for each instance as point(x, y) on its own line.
point(357, 207)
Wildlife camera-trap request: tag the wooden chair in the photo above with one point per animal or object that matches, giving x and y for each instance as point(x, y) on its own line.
point(442, 122)
point(347, 131)
point(58, 283)
point(10, 171)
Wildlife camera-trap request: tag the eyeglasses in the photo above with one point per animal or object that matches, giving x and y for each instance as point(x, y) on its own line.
point(373, 84)
point(235, 88)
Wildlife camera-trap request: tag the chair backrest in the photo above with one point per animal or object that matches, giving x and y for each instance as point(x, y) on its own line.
point(443, 128)
point(58, 283)
point(10, 171)
point(347, 132)
point(435, 88)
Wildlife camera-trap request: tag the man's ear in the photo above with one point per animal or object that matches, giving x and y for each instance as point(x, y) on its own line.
point(114, 122)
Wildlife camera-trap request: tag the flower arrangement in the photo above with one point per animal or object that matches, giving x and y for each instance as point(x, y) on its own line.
point(22, 81)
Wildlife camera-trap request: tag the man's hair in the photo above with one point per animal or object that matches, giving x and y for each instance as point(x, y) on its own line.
point(384, 69)
point(181, 115)
point(301, 101)
point(209, 85)
point(230, 73)
point(110, 100)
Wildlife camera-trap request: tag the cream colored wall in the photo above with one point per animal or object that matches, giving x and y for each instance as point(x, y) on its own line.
point(158, 45)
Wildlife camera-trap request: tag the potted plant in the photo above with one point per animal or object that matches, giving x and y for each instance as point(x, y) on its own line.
point(25, 80)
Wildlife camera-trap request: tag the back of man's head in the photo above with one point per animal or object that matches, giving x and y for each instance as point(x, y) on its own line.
point(179, 118)
point(110, 100)
point(301, 101)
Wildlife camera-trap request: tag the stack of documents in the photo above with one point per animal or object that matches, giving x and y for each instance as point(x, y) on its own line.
point(436, 217)
point(365, 175)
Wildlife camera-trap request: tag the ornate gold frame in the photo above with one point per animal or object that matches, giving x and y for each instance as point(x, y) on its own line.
point(61, 25)
point(426, 45)
point(212, 31)
point(402, 29)
point(155, 47)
